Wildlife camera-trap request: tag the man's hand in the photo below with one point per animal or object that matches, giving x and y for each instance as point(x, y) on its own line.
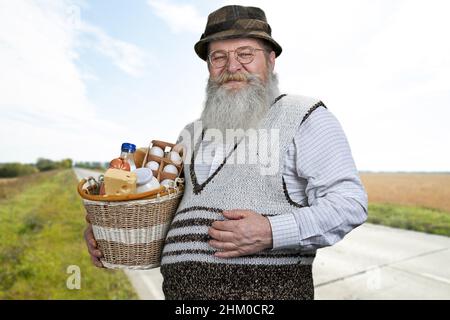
point(92, 245)
point(246, 232)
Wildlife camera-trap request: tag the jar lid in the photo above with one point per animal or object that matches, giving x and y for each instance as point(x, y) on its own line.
point(143, 175)
point(128, 147)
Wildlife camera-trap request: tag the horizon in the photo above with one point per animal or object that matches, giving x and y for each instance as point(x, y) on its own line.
point(74, 163)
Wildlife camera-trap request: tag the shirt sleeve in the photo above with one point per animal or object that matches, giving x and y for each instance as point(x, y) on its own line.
point(337, 201)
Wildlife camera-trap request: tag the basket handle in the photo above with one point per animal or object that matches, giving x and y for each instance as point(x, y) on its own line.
point(162, 191)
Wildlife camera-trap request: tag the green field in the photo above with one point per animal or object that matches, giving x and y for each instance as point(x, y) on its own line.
point(410, 218)
point(41, 236)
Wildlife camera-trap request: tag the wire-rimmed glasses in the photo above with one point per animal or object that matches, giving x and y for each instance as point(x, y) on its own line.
point(245, 55)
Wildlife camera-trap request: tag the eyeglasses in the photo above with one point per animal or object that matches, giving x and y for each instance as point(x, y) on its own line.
point(244, 55)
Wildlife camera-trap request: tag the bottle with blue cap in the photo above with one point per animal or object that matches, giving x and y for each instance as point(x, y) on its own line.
point(127, 154)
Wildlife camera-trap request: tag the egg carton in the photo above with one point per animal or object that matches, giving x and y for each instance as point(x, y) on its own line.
point(167, 147)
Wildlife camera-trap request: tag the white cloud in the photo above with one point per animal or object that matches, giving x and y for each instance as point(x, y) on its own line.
point(179, 17)
point(37, 59)
point(43, 101)
point(128, 57)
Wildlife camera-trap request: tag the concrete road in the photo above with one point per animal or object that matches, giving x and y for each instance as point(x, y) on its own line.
point(372, 262)
point(377, 262)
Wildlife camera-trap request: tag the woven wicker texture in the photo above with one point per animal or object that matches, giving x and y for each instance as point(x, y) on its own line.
point(131, 234)
point(131, 214)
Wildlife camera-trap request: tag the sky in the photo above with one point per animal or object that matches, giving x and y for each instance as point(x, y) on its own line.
point(78, 78)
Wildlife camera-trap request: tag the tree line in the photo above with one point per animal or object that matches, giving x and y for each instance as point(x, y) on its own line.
point(16, 169)
point(92, 165)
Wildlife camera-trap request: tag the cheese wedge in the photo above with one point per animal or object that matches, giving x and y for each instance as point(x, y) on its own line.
point(119, 182)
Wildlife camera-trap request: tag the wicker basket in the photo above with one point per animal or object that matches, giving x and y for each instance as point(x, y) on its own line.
point(130, 230)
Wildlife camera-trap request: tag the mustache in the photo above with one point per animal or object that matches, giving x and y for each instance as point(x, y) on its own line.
point(227, 76)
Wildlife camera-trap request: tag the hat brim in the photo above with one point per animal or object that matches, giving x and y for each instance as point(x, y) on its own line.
point(201, 47)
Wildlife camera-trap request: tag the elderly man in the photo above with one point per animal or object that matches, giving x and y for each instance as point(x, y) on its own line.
point(241, 232)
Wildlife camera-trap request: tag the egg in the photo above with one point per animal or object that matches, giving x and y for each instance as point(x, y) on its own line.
point(174, 157)
point(170, 168)
point(157, 151)
point(152, 165)
point(167, 183)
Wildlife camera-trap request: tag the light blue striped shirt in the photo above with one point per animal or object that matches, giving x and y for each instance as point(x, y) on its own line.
point(321, 175)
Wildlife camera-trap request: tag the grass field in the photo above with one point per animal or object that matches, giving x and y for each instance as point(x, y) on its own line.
point(41, 236)
point(410, 218)
point(421, 190)
point(418, 202)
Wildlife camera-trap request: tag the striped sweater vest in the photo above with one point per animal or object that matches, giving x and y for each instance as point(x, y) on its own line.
point(188, 265)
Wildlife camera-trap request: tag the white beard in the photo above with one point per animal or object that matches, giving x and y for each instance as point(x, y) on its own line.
point(238, 109)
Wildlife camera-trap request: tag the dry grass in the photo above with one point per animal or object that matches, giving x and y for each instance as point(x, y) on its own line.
point(419, 190)
point(9, 187)
point(4, 181)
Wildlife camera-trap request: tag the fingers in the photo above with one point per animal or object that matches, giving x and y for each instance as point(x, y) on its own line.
point(224, 225)
point(89, 237)
point(87, 219)
point(232, 215)
point(235, 214)
point(91, 243)
point(97, 262)
point(228, 246)
point(230, 250)
point(222, 236)
point(94, 252)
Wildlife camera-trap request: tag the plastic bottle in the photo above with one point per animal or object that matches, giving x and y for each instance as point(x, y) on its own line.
point(127, 154)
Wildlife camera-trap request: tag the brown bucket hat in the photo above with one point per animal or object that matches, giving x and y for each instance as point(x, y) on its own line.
point(236, 22)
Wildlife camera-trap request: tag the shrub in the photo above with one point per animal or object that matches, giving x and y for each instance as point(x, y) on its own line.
point(11, 170)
